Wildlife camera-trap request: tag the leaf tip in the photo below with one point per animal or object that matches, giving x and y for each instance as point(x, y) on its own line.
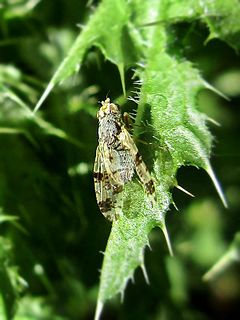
point(43, 97)
point(122, 77)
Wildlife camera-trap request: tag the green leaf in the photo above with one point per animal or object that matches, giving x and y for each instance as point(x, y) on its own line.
point(221, 19)
point(167, 99)
point(128, 240)
point(136, 33)
point(32, 308)
point(106, 29)
point(11, 78)
point(14, 9)
point(111, 20)
point(7, 291)
point(224, 23)
point(178, 126)
point(46, 182)
point(11, 284)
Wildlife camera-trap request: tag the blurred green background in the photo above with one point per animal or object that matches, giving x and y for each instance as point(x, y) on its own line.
point(51, 231)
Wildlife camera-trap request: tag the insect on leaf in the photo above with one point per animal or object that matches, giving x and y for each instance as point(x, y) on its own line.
point(117, 158)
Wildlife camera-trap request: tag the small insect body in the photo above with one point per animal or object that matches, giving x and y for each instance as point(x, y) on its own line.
point(117, 158)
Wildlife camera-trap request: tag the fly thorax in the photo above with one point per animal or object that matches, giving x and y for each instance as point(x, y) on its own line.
point(109, 129)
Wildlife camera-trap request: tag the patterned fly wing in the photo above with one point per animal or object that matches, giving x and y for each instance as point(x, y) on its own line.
point(106, 189)
point(117, 158)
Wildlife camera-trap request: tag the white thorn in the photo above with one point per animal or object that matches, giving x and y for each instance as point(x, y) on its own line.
point(165, 232)
point(132, 279)
point(149, 246)
point(98, 311)
point(212, 88)
point(185, 191)
point(216, 123)
point(216, 184)
point(175, 206)
point(122, 296)
point(134, 100)
point(145, 273)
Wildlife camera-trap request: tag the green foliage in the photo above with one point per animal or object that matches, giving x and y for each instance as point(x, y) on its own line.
point(11, 283)
point(54, 229)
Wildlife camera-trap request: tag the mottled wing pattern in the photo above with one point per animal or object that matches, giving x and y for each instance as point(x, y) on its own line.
point(119, 164)
point(117, 158)
point(106, 189)
point(140, 166)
